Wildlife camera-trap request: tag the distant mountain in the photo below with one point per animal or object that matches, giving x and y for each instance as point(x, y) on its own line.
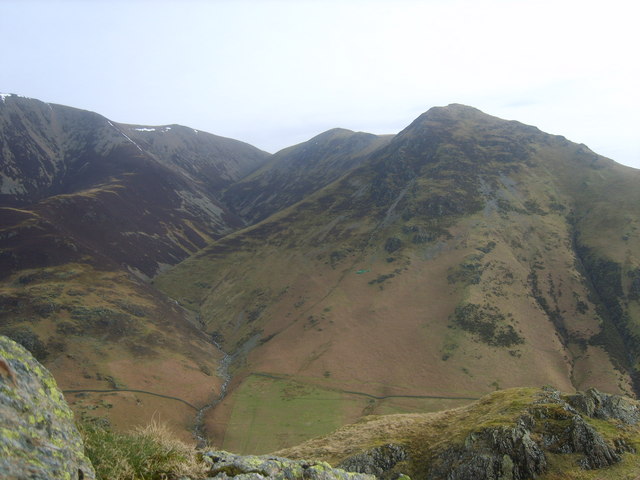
point(295, 172)
point(90, 210)
point(468, 254)
point(140, 196)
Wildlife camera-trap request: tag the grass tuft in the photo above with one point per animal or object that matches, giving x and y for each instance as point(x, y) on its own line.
point(146, 453)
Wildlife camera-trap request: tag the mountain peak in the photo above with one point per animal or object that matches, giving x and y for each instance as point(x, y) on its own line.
point(458, 108)
point(329, 135)
point(3, 96)
point(454, 111)
point(458, 120)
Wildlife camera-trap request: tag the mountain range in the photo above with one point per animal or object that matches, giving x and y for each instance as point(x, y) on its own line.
point(282, 296)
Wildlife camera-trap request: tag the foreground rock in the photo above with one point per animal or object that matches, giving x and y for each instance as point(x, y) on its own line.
point(378, 461)
point(226, 465)
point(38, 438)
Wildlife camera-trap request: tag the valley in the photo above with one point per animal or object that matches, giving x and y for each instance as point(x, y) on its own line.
point(348, 276)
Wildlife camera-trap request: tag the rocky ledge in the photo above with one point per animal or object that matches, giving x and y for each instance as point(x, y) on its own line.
point(224, 465)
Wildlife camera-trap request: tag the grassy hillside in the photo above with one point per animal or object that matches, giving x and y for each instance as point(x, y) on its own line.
point(101, 330)
point(295, 172)
point(469, 254)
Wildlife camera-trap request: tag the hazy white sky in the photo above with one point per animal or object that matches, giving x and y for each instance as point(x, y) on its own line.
point(275, 73)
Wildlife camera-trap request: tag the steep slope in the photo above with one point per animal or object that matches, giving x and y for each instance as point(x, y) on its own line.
point(469, 254)
point(49, 149)
point(89, 211)
point(295, 172)
point(209, 161)
point(115, 346)
point(92, 179)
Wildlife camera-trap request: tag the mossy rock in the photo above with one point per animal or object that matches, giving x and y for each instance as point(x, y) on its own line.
point(38, 438)
point(225, 465)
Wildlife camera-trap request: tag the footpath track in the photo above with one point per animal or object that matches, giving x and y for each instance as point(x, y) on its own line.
point(116, 390)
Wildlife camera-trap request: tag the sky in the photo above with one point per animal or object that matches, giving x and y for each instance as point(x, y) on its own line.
point(276, 73)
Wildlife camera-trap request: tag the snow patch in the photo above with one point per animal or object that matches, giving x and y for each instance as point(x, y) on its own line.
point(195, 131)
point(152, 129)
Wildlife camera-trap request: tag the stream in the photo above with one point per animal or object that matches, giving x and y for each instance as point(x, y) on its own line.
point(199, 429)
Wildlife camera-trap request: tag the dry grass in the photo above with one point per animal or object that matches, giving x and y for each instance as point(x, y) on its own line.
point(147, 453)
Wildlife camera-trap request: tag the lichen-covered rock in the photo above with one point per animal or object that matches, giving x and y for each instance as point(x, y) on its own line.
point(378, 461)
point(38, 439)
point(224, 466)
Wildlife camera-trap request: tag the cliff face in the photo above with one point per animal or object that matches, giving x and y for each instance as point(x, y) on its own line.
point(38, 438)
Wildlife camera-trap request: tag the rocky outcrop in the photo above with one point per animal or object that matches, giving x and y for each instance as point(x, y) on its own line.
point(497, 453)
point(224, 466)
point(378, 461)
point(553, 424)
point(583, 438)
point(600, 405)
point(38, 438)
